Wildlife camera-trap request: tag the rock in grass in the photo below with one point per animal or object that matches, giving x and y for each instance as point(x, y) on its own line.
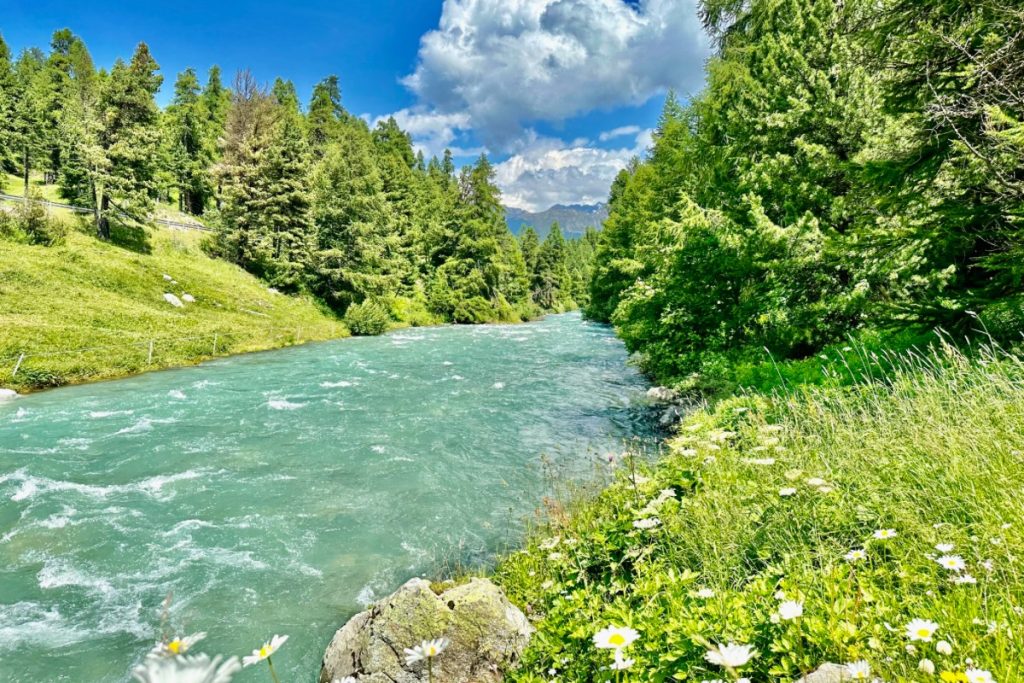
point(188, 298)
point(173, 300)
point(662, 395)
point(828, 673)
point(8, 395)
point(488, 635)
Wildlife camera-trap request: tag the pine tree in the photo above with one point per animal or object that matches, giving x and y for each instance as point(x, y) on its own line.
point(123, 163)
point(8, 96)
point(325, 113)
point(190, 144)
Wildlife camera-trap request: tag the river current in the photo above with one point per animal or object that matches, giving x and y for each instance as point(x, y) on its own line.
point(281, 492)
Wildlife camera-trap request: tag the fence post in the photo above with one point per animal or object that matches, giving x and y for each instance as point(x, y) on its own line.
point(150, 360)
point(215, 336)
point(17, 366)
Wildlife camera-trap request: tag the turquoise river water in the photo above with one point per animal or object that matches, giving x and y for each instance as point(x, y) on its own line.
point(281, 492)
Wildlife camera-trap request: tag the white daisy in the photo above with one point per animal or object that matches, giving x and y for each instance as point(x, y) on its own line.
point(787, 492)
point(621, 663)
point(978, 676)
point(921, 629)
point(926, 666)
point(428, 649)
point(954, 563)
point(730, 656)
point(964, 579)
point(176, 646)
point(860, 670)
point(190, 669)
point(791, 609)
point(944, 547)
point(856, 555)
point(885, 534)
point(264, 652)
point(615, 637)
point(944, 648)
point(705, 593)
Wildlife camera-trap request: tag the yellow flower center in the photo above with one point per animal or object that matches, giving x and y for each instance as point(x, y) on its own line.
point(923, 633)
point(174, 646)
point(431, 651)
point(860, 676)
point(617, 639)
point(264, 652)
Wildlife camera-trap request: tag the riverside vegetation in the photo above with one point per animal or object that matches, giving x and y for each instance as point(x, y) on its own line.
point(850, 181)
point(315, 203)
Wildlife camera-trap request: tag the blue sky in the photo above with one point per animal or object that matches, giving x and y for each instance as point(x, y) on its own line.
point(560, 93)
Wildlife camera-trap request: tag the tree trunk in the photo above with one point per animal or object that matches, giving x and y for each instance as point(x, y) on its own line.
point(102, 221)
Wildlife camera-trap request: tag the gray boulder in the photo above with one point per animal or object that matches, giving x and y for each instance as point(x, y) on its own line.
point(488, 635)
point(662, 395)
point(8, 395)
point(828, 673)
point(173, 300)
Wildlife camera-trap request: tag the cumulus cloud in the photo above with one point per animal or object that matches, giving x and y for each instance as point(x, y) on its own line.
point(549, 172)
point(433, 131)
point(506, 63)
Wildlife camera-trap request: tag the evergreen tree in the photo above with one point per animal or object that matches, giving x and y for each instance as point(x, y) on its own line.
point(325, 113)
point(190, 144)
point(123, 160)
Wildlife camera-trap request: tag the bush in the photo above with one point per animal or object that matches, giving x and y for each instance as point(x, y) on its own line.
point(368, 318)
point(29, 222)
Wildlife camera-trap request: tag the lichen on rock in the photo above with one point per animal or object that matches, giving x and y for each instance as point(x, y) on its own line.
point(488, 635)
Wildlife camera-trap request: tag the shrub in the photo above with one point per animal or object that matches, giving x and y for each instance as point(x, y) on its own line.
point(368, 318)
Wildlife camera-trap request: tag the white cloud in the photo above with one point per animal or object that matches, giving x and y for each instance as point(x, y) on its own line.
point(622, 131)
point(505, 63)
point(549, 172)
point(432, 131)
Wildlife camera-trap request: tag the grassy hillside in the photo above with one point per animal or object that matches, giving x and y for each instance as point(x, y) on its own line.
point(109, 298)
point(864, 507)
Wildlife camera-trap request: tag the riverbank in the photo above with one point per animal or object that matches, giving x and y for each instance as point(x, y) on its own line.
point(876, 525)
point(87, 310)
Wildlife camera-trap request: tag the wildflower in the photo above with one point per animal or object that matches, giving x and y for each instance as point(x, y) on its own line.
point(816, 482)
point(952, 677)
point(766, 462)
point(550, 543)
point(793, 475)
point(856, 555)
point(705, 593)
point(860, 670)
point(927, 666)
point(964, 579)
point(885, 534)
point(978, 676)
point(548, 585)
point(555, 557)
point(954, 563)
point(615, 638)
point(787, 492)
point(791, 609)
point(988, 566)
point(194, 669)
point(996, 541)
point(646, 524)
point(426, 650)
point(944, 648)
point(264, 652)
point(730, 656)
point(620, 663)
point(178, 646)
point(944, 547)
point(771, 428)
point(921, 629)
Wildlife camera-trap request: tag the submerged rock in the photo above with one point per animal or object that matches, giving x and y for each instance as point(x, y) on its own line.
point(8, 395)
point(828, 673)
point(488, 635)
point(173, 300)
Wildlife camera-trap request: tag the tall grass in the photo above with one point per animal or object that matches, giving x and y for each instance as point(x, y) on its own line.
point(933, 449)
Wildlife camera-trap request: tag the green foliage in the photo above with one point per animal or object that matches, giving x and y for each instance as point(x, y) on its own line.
point(368, 318)
point(812, 191)
point(760, 500)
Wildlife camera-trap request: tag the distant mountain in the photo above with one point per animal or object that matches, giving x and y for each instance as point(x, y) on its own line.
point(574, 219)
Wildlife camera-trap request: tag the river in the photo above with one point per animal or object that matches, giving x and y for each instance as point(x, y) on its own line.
point(280, 492)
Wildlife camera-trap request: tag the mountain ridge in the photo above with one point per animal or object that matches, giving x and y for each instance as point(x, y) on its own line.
point(573, 219)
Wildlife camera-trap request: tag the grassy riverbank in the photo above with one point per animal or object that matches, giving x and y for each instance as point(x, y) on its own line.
point(87, 310)
point(860, 503)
